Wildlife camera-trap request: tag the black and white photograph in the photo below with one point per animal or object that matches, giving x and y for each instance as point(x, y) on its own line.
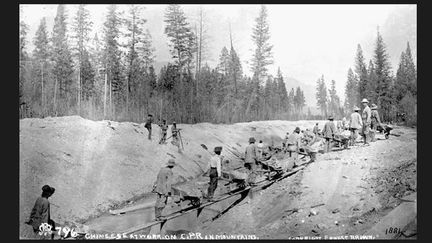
point(217, 121)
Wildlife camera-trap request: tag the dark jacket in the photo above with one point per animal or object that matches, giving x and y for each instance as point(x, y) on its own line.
point(375, 119)
point(148, 123)
point(40, 213)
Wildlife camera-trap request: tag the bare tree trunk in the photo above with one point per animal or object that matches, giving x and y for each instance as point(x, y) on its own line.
point(42, 95)
point(79, 90)
point(105, 91)
point(55, 97)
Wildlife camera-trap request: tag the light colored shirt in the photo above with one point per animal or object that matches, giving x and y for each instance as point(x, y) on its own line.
point(215, 162)
point(355, 121)
point(366, 115)
point(251, 153)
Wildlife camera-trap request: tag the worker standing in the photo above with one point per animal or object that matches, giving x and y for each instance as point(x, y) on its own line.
point(175, 136)
point(284, 142)
point(355, 124)
point(375, 121)
point(315, 129)
point(163, 188)
point(293, 145)
point(164, 128)
point(366, 117)
point(148, 125)
point(260, 149)
point(215, 172)
point(41, 213)
point(251, 154)
point(329, 131)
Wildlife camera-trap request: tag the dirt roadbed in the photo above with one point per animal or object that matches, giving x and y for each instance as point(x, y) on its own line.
point(354, 189)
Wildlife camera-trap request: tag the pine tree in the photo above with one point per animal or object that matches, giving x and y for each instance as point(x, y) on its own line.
point(299, 101)
point(406, 76)
point(235, 70)
point(334, 104)
point(23, 58)
point(182, 39)
point(371, 84)
point(82, 27)
point(268, 106)
point(263, 53)
point(405, 88)
point(62, 58)
point(384, 80)
point(41, 55)
point(321, 95)
point(290, 102)
point(361, 76)
point(282, 92)
point(136, 70)
point(224, 60)
point(112, 60)
point(351, 92)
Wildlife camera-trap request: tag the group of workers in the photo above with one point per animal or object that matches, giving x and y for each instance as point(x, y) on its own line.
point(367, 123)
point(175, 132)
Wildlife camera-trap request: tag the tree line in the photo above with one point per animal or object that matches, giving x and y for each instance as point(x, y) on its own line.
point(99, 77)
point(395, 95)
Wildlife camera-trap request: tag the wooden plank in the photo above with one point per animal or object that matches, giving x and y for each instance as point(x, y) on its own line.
point(258, 186)
point(133, 208)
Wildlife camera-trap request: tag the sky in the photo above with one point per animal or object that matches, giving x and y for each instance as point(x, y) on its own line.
point(308, 40)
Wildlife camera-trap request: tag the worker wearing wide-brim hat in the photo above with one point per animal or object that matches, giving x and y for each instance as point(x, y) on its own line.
point(251, 154)
point(355, 123)
point(215, 171)
point(375, 121)
point(328, 132)
point(366, 117)
point(41, 213)
point(293, 145)
point(163, 187)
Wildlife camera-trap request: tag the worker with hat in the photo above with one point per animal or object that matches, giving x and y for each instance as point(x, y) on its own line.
point(375, 121)
point(366, 117)
point(355, 123)
point(164, 129)
point(315, 129)
point(328, 131)
point(284, 142)
point(215, 171)
point(148, 125)
point(251, 155)
point(163, 188)
point(293, 145)
point(41, 213)
point(175, 136)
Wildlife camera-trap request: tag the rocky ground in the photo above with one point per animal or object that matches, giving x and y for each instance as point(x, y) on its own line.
point(343, 194)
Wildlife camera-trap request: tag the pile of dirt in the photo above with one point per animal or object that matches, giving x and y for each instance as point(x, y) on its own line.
point(96, 165)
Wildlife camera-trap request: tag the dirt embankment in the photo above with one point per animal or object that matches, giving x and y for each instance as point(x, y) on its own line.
point(352, 190)
point(95, 165)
